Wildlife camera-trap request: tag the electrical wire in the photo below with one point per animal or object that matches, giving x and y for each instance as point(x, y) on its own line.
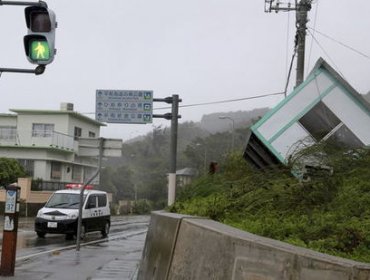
point(290, 71)
point(291, 61)
point(223, 101)
point(287, 48)
point(214, 102)
point(314, 25)
point(317, 42)
point(341, 43)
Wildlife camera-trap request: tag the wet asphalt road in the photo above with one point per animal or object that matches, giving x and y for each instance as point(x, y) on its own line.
point(53, 257)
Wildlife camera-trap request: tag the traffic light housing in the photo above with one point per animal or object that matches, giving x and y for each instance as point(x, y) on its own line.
point(40, 41)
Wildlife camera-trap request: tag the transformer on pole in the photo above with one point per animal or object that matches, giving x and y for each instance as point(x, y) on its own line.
point(302, 8)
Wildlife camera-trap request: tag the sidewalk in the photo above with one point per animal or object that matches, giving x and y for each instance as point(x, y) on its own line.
point(116, 259)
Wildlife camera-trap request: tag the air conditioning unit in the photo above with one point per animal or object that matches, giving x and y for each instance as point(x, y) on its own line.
point(66, 106)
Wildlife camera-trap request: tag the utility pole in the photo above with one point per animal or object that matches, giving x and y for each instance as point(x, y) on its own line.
point(301, 20)
point(301, 8)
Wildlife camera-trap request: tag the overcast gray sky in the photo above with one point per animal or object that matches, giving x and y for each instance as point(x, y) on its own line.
point(203, 50)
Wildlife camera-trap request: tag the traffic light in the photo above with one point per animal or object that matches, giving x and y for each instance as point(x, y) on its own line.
point(40, 41)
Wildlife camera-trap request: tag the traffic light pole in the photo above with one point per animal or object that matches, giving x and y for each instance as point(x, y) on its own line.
point(21, 3)
point(40, 69)
point(173, 116)
point(37, 71)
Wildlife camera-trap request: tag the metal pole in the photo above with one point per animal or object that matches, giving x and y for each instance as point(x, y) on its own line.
point(205, 160)
point(233, 129)
point(173, 150)
point(233, 135)
point(22, 3)
point(37, 71)
point(79, 221)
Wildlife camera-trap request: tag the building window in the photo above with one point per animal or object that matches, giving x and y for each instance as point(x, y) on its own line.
point(56, 170)
point(8, 132)
point(28, 165)
point(78, 132)
point(42, 129)
point(91, 134)
point(319, 121)
point(77, 173)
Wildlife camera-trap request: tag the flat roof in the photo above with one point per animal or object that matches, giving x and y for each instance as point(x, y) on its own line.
point(57, 112)
point(8, 115)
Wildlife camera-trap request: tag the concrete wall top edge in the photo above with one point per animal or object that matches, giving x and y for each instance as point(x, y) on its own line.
point(171, 215)
point(268, 242)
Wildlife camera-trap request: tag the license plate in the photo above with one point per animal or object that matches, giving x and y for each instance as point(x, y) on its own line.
point(52, 224)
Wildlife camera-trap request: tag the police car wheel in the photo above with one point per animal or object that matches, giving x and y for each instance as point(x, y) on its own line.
point(105, 231)
point(41, 234)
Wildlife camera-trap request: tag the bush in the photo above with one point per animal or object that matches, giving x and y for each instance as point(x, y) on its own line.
point(10, 171)
point(329, 213)
point(142, 206)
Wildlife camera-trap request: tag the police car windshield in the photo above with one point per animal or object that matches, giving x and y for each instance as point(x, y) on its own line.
point(64, 200)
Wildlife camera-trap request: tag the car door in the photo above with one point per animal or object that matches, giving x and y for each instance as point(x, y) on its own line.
point(103, 209)
point(91, 210)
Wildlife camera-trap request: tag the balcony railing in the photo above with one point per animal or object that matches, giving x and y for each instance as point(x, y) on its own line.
point(36, 139)
point(63, 141)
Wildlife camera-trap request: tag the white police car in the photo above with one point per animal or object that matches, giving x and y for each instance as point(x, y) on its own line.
point(60, 213)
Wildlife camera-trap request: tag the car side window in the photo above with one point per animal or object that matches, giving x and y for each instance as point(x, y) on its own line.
point(102, 200)
point(91, 202)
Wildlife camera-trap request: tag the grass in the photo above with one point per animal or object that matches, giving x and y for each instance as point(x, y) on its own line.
point(329, 213)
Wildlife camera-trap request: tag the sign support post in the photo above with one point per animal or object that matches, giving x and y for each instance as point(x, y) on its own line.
point(9, 246)
point(135, 107)
point(173, 116)
point(173, 150)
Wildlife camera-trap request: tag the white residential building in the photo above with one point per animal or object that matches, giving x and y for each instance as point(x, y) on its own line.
point(46, 143)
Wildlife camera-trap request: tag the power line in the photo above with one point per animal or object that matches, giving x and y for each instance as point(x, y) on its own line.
point(287, 47)
point(224, 101)
point(290, 71)
point(341, 43)
point(314, 24)
point(317, 42)
point(214, 102)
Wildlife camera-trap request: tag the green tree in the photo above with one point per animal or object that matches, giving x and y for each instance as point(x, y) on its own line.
point(10, 171)
point(106, 184)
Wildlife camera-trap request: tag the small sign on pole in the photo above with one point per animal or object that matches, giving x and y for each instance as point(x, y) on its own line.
point(90, 147)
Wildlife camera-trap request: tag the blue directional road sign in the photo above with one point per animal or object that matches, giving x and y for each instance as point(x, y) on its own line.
point(124, 106)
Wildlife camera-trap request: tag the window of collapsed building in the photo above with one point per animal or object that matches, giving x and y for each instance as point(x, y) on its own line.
point(323, 125)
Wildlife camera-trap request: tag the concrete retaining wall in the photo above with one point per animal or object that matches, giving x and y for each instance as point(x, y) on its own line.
point(185, 247)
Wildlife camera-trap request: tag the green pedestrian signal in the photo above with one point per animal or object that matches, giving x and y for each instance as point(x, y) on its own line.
point(40, 40)
point(39, 50)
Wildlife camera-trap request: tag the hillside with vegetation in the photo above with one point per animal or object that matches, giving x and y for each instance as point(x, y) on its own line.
point(328, 212)
point(141, 173)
